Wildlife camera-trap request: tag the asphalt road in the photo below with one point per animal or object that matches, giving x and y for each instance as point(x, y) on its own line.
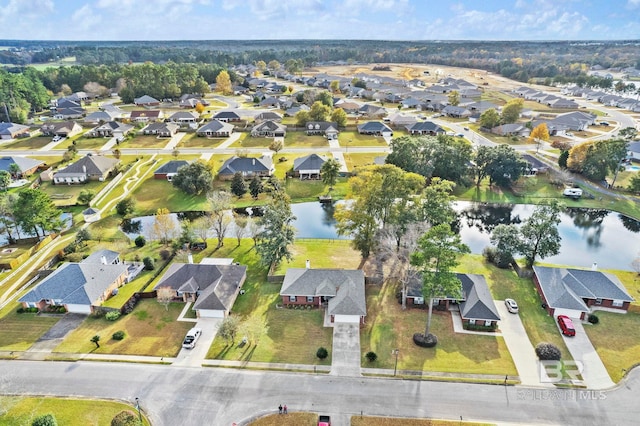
point(173, 395)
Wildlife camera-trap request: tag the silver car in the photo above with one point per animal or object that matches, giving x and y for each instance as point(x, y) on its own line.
point(512, 306)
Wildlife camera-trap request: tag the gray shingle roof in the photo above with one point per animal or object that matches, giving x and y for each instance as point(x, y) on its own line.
point(309, 162)
point(478, 302)
point(215, 126)
point(171, 167)
point(425, 126)
point(22, 162)
point(228, 115)
point(145, 99)
point(374, 126)
point(94, 164)
point(246, 164)
point(9, 128)
point(96, 257)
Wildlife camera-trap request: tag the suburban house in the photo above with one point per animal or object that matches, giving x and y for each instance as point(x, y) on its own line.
point(213, 288)
point(146, 116)
point(184, 117)
point(308, 167)
point(475, 303)
point(375, 128)
point(577, 292)
point(190, 100)
point(269, 129)
point(324, 128)
point(512, 129)
point(400, 120)
point(169, 170)
point(575, 121)
point(372, 111)
point(162, 130)
point(227, 116)
point(65, 129)
point(91, 215)
point(101, 117)
point(456, 111)
point(534, 166)
point(146, 100)
point(25, 166)
point(109, 130)
point(268, 116)
point(247, 166)
point(340, 291)
point(215, 129)
point(634, 150)
point(79, 287)
point(91, 167)
point(425, 128)
point(66, 108)
point(13, 130)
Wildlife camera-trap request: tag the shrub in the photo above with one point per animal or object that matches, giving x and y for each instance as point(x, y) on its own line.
point(112, 315)
point(20, 310)
point(425, 342)
point(148, 264)
point(140, 241)
point(125, 418)
point(118, 335)
point(548, 352)
point(593, 319)
point(125, 207)
point(165, 254)
point(45, 420)
point(371, 356)
point(322, 353)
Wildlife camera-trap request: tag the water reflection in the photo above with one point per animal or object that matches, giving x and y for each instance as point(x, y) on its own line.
point(485, 217)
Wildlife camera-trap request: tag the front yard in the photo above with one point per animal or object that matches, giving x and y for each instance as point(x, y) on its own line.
point(20, 331)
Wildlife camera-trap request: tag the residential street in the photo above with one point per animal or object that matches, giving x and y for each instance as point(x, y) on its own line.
point(172, 395)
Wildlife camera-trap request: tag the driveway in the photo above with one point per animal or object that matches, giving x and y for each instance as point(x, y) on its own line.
point(345, 359)
point(52, 338)
point(194, 357)
point(520, 347)
point(594, 373)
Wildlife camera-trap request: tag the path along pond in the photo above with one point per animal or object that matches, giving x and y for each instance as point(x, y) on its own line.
point(602, 236)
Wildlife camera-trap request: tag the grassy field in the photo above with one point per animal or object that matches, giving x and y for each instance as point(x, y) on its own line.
point(291, 419)
point(33, 143)
point(150, 330)
point(352, 139)
point(17, 410)
point(83, 143)
point(354, 160)
point(394, 421)
point(20, 331)
point(155, 193)
point(191, 140)
point(323, 254)
point(67, 195)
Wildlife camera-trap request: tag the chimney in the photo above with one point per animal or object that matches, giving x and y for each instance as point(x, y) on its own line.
point(190, 258)
point(103, 260)
point(253, 161)
point(594, 267)
point(308, 264)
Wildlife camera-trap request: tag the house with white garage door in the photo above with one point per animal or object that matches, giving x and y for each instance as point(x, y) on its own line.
point(577, 292)
point(340, 291)
point(212, 288)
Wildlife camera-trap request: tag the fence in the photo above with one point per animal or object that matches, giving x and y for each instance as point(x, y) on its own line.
point(19, 260)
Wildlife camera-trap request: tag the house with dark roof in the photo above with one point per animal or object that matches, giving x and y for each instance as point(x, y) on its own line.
point(425, 128)
point(309, 166)
point(169, 170)
point(376, 128)
point(369, 110)
point(577, 292)
point(227, 116)
point(400, 120)
point(146, 116)
point(456, 111)
point(184, 117)
point(474, 302)
point(212, 288)
point(162, 130)
point(634, 150)
point(269, 129)
point(146, 100)
point(215, 129)
point(324, 128)
point(101, 116)
point(109, 130)
point(340, 291)
point(511, 129)
point(247, 166)
point(91, 167)
point(534, 166)
point(65, 129)
point(26, 166)
point(268, 116)
point(13, 130)
point(79, 287)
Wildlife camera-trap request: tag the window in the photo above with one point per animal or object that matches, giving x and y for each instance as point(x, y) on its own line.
point(472, 321)
point(435, 302)
point(598, 301)
point(487, 323)
point(309, 299)
point(292, 298)
point(418, 300)
point(617, 303)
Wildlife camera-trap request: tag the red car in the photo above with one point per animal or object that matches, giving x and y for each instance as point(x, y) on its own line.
point(566, 325)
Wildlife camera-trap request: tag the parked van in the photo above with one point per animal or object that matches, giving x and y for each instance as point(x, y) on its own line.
point(566, 325)
point(572, 192)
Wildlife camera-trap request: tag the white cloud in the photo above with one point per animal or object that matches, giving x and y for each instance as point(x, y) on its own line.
point(632, 4)
point(85, 18)
point(27, 8)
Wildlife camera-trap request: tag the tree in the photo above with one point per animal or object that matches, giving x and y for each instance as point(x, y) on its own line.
point(436, 256)
point(126, 418)
point(194, 178)
point(578, 156)
point(335, 86)
point(254, 328)
point(454, 98)
point(437, 203)
point(277, 231)
point(228, 329)
point(506, 166)
point(539, 233)
point(274, 65)
point(302, 117)
point(5, 179)
point(484, 156)
point(125, 206)
point(202, 226)
point(7, 217)
point(490, 119)
point(329, 171)
point(86, 196)
point(628, 133)
point(220, 203)
point(319, 111)
point(164, 227)
point(241, 223)
point(634, 184)
point(325, 98)
point(95, 339)
point(223, 83)
point(165, 296)
point(604, 157)
point(255, 186)
point(506, 239)
point(253, 230)
point(45, 420)
point(35, 211)
point(14, 170)
point(339, 116)
point(539, 134)
point(562, 159)
point(140, 241)
point(200, 108)
point(511, 111)
point(276, 145)
point(238, 187)
point(149, 264)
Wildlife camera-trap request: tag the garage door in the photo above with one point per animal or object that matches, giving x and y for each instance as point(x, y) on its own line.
point(571, 313)
point(352, 319)
point(210, 313)
point(79, 309)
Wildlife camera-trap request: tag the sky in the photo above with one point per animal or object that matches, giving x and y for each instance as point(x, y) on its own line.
point(320, 19)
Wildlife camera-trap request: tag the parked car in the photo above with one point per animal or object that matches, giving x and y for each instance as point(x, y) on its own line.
point(191, 338)
point(324, 421)
point(512, 306)
point(604, 123)
point(460, 135)
point(566, 325)
point(466, 129)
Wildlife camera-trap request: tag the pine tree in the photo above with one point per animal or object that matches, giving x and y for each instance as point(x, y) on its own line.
point(238, 187)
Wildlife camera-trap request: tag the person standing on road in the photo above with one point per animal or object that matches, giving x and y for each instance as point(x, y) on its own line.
point(284, 409)
point(280, 409)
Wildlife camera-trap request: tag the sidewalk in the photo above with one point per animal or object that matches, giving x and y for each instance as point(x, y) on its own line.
point(175, 140)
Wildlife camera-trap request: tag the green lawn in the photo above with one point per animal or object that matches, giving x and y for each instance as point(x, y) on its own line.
point(18, 410)
point(323, 254)
point(33, 143)
point(191, 140)
point(301, 140)
point(150, 330)
point(354, 160)
point(353, 138)
point(389, 327)
point(20, 331)
point(250, 142)
point(145, 141)
point(83, 143)
point(152, 194)
point(67, 195)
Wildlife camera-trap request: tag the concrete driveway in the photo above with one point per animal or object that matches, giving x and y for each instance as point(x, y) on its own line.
point(52, 338)
point(345, 359)
point(594, 374)
point(194, 357)
point(520, 347)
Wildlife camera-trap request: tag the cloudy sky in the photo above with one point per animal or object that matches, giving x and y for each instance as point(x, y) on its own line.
point(320, 19)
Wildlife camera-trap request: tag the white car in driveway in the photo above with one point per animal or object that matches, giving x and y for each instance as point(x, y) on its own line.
point(512, 306)
point(191, 338)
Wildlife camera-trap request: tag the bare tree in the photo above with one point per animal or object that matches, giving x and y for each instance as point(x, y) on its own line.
point(241, 223)
point(253, 229)
point(164, 227)
point(220, 203)
point(202, 226)
point(165, 296)
point(254, 328)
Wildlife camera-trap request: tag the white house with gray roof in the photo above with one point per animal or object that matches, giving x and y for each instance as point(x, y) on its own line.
point(341, 291)
point(577, 292)
point(91, 167)
point(247, 166)
point(309, 166)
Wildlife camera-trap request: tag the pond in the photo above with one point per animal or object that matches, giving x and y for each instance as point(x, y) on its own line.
point(67, 222)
